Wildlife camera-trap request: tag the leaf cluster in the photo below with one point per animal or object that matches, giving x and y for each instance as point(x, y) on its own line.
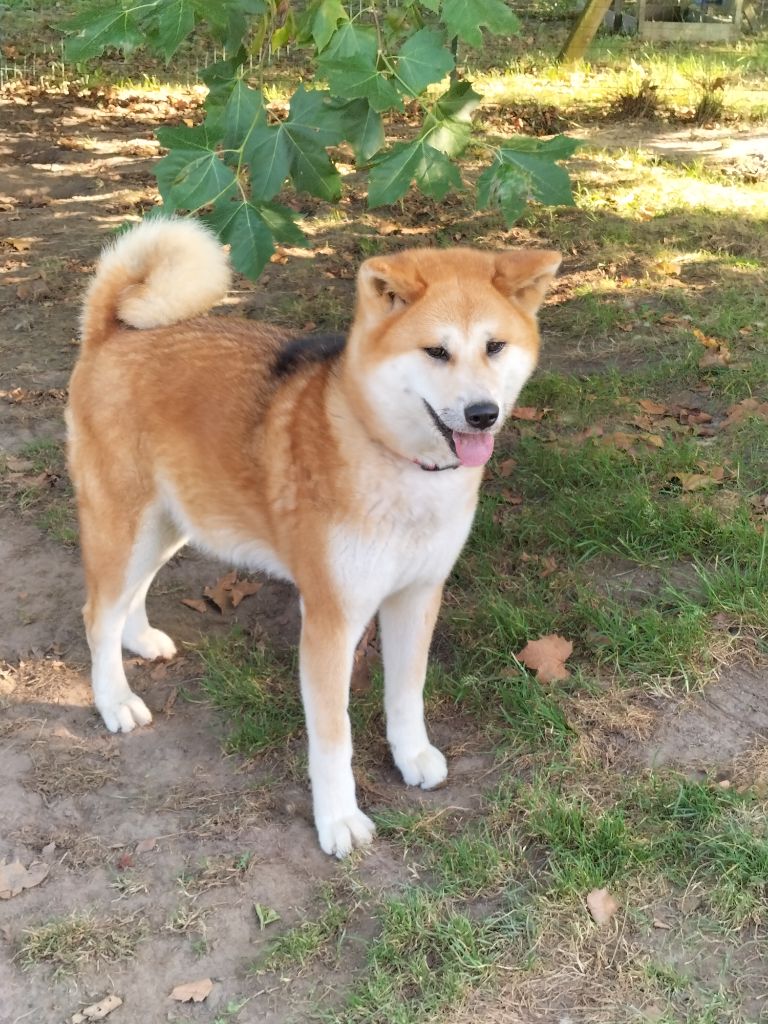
point(377, 63)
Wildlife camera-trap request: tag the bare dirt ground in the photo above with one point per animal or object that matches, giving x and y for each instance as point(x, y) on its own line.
point(157, 836)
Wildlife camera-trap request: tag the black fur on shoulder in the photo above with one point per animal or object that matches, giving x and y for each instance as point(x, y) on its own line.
point(306, 349)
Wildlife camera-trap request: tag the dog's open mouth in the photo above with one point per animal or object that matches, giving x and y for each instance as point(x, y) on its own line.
point(469, 449)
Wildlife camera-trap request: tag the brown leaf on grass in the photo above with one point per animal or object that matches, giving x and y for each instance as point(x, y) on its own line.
point(651, 407)
point(145, 845)
point(700, 481)
point(505, 468)
point(705, 339)
point(528, 412)
point(124, 861)
point(244, 588)
point(601, 905)
point(365, 653)
point(192, 991)
point(97, 1011)
point(14, 877)
point(669, 267)
point(195, 605)
point(720, 356)
point(220, 592)
point(547, 656)
point(742, 410)
point(510, 498)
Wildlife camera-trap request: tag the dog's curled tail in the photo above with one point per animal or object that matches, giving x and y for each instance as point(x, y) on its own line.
point(158, 273)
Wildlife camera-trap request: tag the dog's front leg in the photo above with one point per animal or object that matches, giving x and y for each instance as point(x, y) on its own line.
point(407, 620)
point(327, 650)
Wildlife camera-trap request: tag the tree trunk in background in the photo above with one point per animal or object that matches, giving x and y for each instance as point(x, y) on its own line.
point(583, 32)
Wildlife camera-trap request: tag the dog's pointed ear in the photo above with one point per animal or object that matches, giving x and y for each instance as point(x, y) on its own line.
point(525, 275)
point(385, 284)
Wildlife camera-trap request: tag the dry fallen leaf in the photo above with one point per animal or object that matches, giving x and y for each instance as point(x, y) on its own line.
point(658, 923)
point(601, 905)
point(721, 356)
point(14, 877)
point(220, 592)
point(244, 588)
point(505, 468)
point(19, 244)
point(195, 605)
point(699, 481)
point(97, 1011)
point(651, 407)
point(192, 991)
point(547, 656)
point(528, 412)
point(146, 845)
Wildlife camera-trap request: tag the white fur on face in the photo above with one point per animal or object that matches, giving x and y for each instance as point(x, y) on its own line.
point(398, 387)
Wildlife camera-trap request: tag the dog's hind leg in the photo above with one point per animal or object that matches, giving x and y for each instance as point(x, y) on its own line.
point(120, 556)
point(407, 620)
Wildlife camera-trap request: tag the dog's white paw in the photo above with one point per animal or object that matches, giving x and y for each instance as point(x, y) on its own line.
point(339, 836)
point(124, 715)
point(151, 643)
point(427, 768)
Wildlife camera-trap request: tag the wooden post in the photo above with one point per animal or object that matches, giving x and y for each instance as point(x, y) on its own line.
point(583, 32)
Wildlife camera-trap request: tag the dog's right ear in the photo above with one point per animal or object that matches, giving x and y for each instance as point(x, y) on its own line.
point(386, 284)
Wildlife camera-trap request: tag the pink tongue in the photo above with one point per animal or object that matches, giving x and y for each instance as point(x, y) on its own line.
point(473, 449)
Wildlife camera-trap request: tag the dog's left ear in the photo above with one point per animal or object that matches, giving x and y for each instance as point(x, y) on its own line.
point(525, 275)
point(387, 283)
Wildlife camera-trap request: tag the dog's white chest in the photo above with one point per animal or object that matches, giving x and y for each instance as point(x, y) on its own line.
point(411, 533)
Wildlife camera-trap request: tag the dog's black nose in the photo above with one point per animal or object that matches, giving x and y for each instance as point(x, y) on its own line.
point(482, 414)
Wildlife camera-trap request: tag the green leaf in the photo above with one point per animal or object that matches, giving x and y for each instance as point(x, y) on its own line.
point(423, 60)
point(327, 17)
point(182, 137)
point(221, 78)
point(448, 126)
point(282, 223)
point(431, 5)
point(548, 182)
point(268, 154)
point(417, 161)
point(175, 21)
point(361, 125)
point(250, 229)
point(391, 176)
point(352, 40)
point(188, 181)
point(506, 187)
point(436, 175)
point(350, 63)
point(241, 225)
point(360, 78)
point(561, 147)
point(465, 18)
point(117, 26)
point(297, 147)
point(243, 113)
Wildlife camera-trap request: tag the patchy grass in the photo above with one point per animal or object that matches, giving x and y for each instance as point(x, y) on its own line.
point(68, 944)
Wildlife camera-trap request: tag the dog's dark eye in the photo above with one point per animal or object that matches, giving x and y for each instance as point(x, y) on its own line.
point(494, 346)
point(438, 353)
